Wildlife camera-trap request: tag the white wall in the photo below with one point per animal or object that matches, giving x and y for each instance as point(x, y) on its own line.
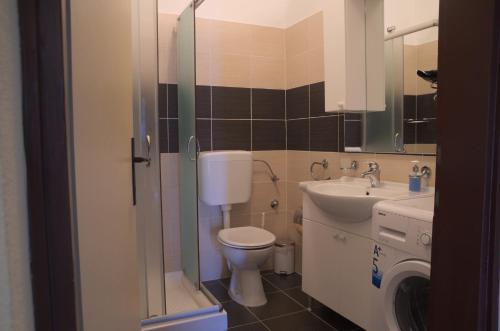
point(406, 13)
point(16, 312)
point(258, 12)
point(274, 13)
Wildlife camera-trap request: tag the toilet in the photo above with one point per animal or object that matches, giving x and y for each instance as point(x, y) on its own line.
point(225, 178)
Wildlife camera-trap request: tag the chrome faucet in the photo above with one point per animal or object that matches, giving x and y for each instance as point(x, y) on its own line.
point(373, 174)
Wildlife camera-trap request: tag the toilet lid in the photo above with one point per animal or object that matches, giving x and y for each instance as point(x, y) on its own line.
point(247, 237)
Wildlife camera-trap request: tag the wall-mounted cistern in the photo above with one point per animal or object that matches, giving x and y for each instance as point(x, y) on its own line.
point(373, 174)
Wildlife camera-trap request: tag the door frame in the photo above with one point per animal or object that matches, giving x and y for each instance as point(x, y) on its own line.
point(466, 228)
point(54, 275)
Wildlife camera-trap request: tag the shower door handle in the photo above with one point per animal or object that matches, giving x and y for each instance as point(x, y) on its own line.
point(191, 139)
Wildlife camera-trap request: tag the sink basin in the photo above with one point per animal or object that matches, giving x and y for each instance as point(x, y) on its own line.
point(351, 199)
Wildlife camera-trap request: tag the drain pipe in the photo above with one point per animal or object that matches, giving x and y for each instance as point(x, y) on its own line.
point(226, 215)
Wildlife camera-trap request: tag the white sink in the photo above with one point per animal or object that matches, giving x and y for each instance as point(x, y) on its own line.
point(351, 199)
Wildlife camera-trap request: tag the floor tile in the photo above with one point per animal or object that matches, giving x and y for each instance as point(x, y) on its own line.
point(250, 327)
point(303, 321)
point(237, 314)
point(218, 290)
point(268, 287)
point(299, 296)
point(284, 282)
point(277, 304)
point(331, 317)
point(226, 282)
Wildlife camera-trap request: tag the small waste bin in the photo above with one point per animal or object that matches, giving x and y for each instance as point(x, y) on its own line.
point(284, 257)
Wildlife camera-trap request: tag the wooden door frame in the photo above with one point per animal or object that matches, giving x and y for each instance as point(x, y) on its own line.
point(465, 252)
point(54, 282)
point(464, 278)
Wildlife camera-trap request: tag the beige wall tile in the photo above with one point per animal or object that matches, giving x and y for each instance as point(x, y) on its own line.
point(230, 70)
point(333, 164)
point(315, 31)
point(268, 42)
point(297, 70)
point(293, 229)
point(232, 38)
point(203, 69)
point(264, 193)
point(296, 38)
point(298, 166)
point(238, 220)
point(427, 56)
point(315, 66)
point(409, 70)
point(421, 148)
point(273, 222)
point(240, 209)
point(268, 73)
point(167, 48)
point(293, 196)
point(277, 160)
point(203, 35)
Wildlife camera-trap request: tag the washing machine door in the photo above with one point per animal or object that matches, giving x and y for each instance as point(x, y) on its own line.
point(407, 292)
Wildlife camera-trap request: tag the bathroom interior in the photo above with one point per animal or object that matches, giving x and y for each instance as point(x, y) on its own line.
point(276, 128)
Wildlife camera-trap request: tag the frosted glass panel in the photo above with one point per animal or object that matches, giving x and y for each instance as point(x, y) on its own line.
point(384, 131)
point(187, 145)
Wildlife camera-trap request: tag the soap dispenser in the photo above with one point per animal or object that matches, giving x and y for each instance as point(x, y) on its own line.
point(415, 178)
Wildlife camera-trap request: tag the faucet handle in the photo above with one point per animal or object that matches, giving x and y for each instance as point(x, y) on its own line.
point(373, 165)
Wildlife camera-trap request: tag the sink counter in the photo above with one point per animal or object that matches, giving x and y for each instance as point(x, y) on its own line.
point(349, 199)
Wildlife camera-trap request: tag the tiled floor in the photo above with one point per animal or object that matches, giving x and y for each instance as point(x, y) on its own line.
point(286, 309)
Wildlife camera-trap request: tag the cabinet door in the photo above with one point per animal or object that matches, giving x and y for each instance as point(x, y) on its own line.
point(337, 270)
point(355, 278)
point(321, 275)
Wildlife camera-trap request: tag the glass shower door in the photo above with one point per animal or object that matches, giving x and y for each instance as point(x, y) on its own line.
point(188, 146)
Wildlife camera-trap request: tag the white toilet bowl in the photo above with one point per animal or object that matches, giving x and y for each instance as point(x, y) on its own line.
point(246, 248)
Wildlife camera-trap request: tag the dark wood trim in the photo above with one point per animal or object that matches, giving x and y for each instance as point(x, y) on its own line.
point(44, 116)
point(464, 275)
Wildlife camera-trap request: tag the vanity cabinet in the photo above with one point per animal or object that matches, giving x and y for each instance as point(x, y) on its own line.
point(337, 270)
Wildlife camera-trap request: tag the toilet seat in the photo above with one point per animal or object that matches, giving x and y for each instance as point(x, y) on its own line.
point(246, 237)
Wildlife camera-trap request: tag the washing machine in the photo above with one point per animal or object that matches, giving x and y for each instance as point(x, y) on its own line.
point(401, 264)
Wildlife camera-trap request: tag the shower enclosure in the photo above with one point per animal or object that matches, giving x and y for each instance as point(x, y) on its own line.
point(174, 296)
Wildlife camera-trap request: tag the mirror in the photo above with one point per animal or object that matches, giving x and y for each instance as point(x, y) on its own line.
point(408, 122)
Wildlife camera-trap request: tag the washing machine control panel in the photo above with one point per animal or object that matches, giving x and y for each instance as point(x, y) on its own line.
point(403, 233)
